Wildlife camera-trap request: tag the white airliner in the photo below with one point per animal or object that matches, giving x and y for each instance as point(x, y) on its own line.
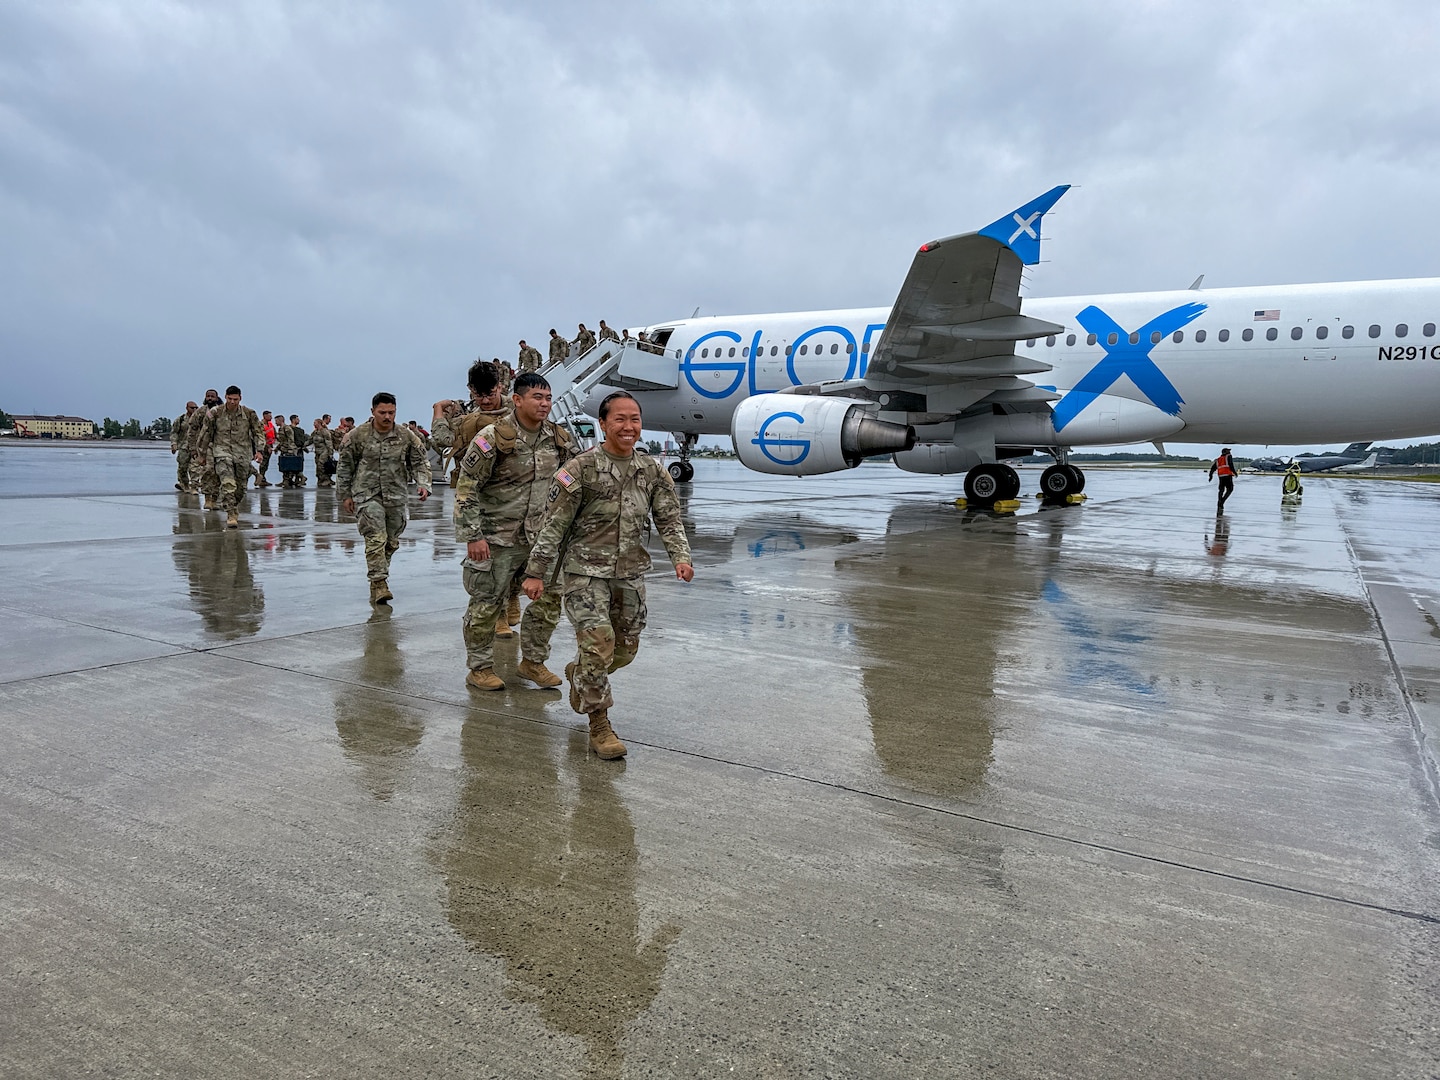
point(954, 377)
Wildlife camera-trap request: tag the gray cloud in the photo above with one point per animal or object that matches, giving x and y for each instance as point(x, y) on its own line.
point(317, 201)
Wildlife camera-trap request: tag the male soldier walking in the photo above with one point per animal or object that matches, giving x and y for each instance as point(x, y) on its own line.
point(1225, 466)
point(180, 448)
point(232, 440)
point(377, 460)
point(607, 334)
point(600, 508)
point(559, 348)
point(451, 433)
point(584, 340)
point(323, 440)
point(505, 475)
point(202, 478)
point(507, 376)
point(529, 359)
point(267, 422)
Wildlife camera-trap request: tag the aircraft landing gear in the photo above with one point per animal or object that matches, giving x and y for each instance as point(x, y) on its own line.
point(682, 472)
point(1060, 481)
point(991, 483)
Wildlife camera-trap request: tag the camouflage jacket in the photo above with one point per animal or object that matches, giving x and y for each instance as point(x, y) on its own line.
point(374, 466)
point(449, 436)
point(530, 359)
point(291, 440)
point(232, 436)
point(559, 349)
point(584, 341)
point(323, 440)
point(194, 427)
point(505, 474)
point(599, 513)
point(177, 433)
point(608, 334)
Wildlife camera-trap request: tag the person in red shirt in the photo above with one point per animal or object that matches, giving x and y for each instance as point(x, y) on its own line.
point(269, 425)
point(1225, 466)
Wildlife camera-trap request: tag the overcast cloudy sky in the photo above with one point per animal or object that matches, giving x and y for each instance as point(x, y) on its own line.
point(317, 200)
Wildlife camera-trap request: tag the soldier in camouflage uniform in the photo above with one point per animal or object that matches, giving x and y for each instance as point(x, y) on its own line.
point(451, 432)
point(600, 508)
point(377, 461)
point(529, 359)
point(232, 440)
point(559, 348)
point(181, 448)
point(323, 440)
point(505, 475)
point(202, 477)
point(290, 442)
point(606, 333)
point(584, 340)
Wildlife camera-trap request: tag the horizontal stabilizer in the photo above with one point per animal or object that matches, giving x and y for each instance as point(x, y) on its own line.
point(1002, 328)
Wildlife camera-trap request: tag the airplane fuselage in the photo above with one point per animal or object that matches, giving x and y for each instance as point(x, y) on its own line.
point(1278, 364)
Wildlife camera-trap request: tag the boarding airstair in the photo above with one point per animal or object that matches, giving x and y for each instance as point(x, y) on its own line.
point(625, 365)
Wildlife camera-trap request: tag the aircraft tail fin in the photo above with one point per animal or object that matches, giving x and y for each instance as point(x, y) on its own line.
point(1356, 448)
point(1020, 230)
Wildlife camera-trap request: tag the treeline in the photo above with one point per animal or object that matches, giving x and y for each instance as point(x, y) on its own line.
point(159, 428)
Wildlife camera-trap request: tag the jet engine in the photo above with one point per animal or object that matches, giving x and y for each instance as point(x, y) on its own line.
point(801, 435)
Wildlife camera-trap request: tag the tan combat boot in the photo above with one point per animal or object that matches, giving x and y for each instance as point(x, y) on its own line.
point(512, 612)
point(232, 520)
point(502, 626)
point(574, 694)
point(602, 738)
point(485, 679)
point(539, 674)
point(380, 592)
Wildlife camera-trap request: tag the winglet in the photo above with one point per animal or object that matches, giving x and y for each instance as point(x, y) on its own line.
point(1020, 231)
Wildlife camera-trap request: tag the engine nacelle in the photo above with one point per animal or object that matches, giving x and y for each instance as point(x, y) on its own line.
point(801, 435)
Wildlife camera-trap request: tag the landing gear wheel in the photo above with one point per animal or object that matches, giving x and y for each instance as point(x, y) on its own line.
point(1079, 479)
point(682, 472)
point(1057, 482)
point(987, 484)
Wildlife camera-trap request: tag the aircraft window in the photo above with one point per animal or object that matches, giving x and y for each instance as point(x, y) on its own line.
point(1248, 334)
point(1113, 338)
point(1428, 329)
point(1069, 339)
point(1271, 334)
point(1347, 332)
point(1135, 338)
point(834, 348)
point(732, 350)
point(1296, 332)
point(1154, 337)
point(1089, 339)
point(1322, 332)
point(1224, 335)
point(1401, 330)
point(745, 351)
point(804, 349)
point(1050, 340)
point(775, 348)
point(1030, 343)
point(1200, 336)
point(1178, 336)
point(849, 347)
point(705, 352)
point(1374, 330)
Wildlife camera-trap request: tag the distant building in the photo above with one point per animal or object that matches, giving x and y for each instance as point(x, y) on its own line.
point(57, 427)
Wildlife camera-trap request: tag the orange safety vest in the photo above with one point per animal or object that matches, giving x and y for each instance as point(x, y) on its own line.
point(1223, 466)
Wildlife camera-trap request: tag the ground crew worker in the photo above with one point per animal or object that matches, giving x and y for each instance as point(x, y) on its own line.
point(451, 433)
point(505, 476)
point(529, 359)
point(231, 442)
point(323, 440)
point(202, 477)
point(584, 340)
point(268, 423)
point(1225, 466)
point(559, 348)
point(600, 508)
point(607, 334)
point(180, 448)
point(377, 460)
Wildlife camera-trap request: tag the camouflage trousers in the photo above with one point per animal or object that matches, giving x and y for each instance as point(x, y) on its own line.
point(265, 462)
point(490, 585)
point(381, 527)
point(322, 475)
point(182, 468)
point(608, 615)
point(233, 478)
point(202, 477)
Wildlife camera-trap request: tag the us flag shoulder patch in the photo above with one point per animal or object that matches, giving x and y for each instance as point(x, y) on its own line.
point(564, 478)
point(483, 443)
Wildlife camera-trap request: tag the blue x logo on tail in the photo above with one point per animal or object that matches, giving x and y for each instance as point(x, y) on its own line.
point(1125, 357)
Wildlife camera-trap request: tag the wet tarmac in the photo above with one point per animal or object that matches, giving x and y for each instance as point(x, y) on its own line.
point(1110, 790)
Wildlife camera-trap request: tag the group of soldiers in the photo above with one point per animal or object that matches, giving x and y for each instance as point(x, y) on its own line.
point(561, 348)
point(568, 528)
point(221, 445)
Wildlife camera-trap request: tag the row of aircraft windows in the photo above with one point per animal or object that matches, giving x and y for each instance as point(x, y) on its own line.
point(1248, 334)
point(775, 350)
